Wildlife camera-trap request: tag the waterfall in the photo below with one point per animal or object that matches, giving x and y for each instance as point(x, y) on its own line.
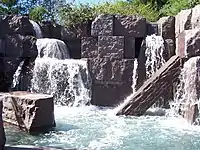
point(154, 54)
point(52, 48)
point(67, 80)
point(187, 91)
point(37, 29)
point(16, 76)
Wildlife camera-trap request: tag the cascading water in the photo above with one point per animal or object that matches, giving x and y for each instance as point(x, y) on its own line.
point(16, 76)
point(37, 29)
point(52, 48)
point(154, 54)
point(187, 92)
point(67, 80)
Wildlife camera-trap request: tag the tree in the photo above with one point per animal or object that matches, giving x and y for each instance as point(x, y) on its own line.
point(9, 7)
point(39, 14)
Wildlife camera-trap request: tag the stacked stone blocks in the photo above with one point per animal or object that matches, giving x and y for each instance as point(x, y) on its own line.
point(111, 52)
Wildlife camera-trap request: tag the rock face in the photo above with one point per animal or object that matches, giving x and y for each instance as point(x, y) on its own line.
point(89, 47)
point(16, 25)
point(32, 112)
point(2, 133)
point(132, 26)
point(111, 46)
point(103, 26)
point(152, 89)
point(18, 46)
point(112, 77)
point(189, 43)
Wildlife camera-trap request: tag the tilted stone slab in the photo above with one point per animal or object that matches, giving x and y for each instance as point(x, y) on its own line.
point(2, 133)
point(132, 26)
point(152, 89)
point(28, 111)
point(111, 46)
point(89, 47)
point(103, 25)
point(189, 43)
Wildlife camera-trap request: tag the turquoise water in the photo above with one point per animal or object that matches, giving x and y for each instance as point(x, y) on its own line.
point(99, 129)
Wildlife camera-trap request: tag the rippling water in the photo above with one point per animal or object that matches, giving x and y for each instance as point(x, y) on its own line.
point(95, 128)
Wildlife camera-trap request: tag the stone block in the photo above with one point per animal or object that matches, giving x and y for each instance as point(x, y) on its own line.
point(89, 47)
point(195, 23)
point(167, 27)
point(111, 70)
point(189, 43)
point(74, 47)
point(103, 25)
point(29, 111)
point(132, 26)
point(152, 28)
point(111, 46)
point(109, 94)
point(183, 21)
point(19, 46)
point(2, 132)
point(13, 24)
point(50, 30)
point(129, 47)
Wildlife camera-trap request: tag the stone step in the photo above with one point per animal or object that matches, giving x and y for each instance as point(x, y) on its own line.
point(153, 88)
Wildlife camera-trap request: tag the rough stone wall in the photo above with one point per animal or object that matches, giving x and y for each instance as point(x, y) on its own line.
point(17, 43)
point(110, 51)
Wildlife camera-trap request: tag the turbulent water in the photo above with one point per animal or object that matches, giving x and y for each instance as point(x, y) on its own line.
point(99, 129)
point(96, 128)
point(37, 29)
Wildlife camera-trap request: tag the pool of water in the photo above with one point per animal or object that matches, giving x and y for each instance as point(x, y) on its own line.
point(99, 129)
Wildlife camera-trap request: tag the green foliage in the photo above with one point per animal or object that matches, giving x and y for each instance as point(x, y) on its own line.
point(175, 6)
point(39, 14)
point(9, 7)
point(71, 15)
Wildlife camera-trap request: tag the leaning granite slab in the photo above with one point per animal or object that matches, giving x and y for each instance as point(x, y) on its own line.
point(152, 89)
point(2, 133)
point(29, 111)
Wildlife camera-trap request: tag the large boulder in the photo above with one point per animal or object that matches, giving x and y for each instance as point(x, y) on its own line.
point(189, 43)
point(13, 24)
point(2, 133)
point(29, 111)
point(132, 26)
